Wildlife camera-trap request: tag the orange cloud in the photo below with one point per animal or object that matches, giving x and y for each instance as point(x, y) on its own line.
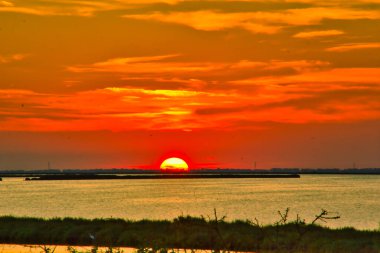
point(308, 95)
point(167, 68)
point(210, 20)
point(152, 64)
point(257, 22)
point(76, 8)
point(120, 109)
point(353, 46)
point(12, 58)
point(314, 34)
point(6, 4)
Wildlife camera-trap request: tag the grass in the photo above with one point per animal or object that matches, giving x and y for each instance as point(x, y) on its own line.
point(187, 232)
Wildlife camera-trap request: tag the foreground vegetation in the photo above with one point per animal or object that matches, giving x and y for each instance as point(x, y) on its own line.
point(187, 232)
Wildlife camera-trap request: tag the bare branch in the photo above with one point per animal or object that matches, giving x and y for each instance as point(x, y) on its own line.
point(325, 215)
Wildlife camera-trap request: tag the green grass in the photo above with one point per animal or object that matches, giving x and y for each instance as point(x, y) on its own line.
point(189, 233)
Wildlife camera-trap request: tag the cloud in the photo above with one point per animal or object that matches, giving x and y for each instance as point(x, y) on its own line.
point(275, 11)
point(320, 78)
point(174, 73)
point(342, 94)
point(120, 61)
point(257, 22)
point(74, 8)
point(325, 106)
point(353, 46)
point(150, 64)
point(210, 20)
point(311, 93)
point(170, 68)
point(6, 4)
point(313, 34)
point(61, 7)
point(12, 58)
point(158, 92)
point(114, 109)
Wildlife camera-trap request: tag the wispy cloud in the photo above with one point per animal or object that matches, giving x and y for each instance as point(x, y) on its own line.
point(144, 64)
point(353, 46)
point(73, 7)
point(177, 69)
point(12, 58)
point(61, 7)
point(257, 22)
point(210, 20)
point(122, 109)
point(6, 4)
point(310, 94)
point(127, 60)
point(318, 80)
point(313, 34)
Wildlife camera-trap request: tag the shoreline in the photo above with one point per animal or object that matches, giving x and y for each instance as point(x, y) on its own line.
point(158, 176)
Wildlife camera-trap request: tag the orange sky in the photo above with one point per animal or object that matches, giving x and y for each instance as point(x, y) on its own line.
point(119, 83)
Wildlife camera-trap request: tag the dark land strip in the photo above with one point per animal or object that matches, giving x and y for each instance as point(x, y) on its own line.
point(189, 233)
point(159, 176)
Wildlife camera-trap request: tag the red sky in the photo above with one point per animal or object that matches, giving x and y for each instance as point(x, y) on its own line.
point(120, 83)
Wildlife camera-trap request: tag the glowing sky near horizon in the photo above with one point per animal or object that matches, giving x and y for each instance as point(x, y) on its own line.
point(117, 83)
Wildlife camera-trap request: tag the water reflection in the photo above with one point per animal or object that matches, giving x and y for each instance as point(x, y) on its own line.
point(354, 197)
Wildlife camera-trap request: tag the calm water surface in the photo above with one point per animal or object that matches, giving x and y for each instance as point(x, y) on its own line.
point(355, 198)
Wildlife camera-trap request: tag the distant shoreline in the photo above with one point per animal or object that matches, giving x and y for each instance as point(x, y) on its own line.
point(89, 174)
point(204, 171)
point(157, 176)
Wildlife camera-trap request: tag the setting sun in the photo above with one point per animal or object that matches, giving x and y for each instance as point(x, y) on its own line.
point(174, 163)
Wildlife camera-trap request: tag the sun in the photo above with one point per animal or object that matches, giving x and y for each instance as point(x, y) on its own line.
point(174, 164)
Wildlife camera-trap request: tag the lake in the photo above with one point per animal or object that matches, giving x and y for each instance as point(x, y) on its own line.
point(355, 197)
